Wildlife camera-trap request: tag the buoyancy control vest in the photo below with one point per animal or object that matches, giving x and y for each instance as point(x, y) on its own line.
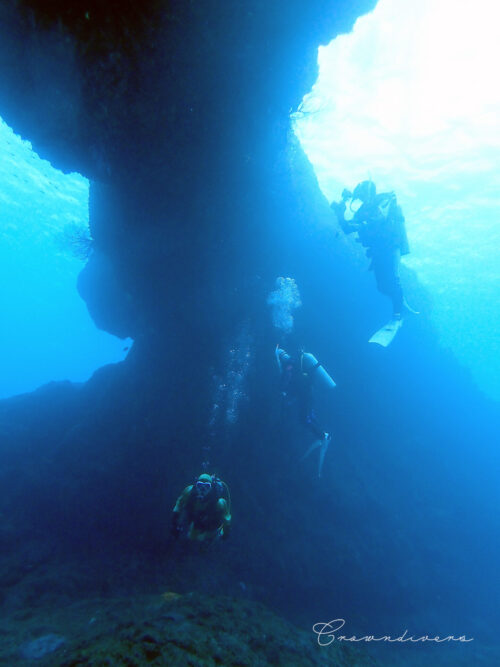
point(385, 224)
point(206, 514)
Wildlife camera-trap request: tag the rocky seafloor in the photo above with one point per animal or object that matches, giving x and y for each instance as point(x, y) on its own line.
point(179, 113)
point(163, 629)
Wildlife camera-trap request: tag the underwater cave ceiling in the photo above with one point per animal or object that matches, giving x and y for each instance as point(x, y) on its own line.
point(178, 112)
point(124, 91)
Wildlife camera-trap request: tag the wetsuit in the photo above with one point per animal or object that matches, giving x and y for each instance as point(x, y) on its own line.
point(297, 392)
point(380, 225)
point(205, 518)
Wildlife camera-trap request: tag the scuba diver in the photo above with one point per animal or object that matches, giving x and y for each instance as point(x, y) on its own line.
point(203, 510)
point(299, 372)
point(380, 225)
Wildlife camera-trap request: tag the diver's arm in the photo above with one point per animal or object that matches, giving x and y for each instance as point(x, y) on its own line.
point(176, 512)
point(339, 208)
point(175, 527)
point(347, 226)
point(223, 508)
point(182, 500)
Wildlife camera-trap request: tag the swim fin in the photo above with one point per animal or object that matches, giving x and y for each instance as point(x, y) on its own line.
point(323, 445)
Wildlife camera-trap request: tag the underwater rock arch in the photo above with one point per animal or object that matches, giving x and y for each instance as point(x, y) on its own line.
point(179, 113)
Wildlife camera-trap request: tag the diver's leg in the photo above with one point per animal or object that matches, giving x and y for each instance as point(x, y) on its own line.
point(322, 452)
point(396, 295)
point(386, 269)
point(322, 443)
point(308, 417)
point(315, 445)
point(312, 423)
point(381, 270)
point(397, 299)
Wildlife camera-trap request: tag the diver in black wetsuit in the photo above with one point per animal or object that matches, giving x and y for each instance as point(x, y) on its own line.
point(380, 225)
point(298, 374)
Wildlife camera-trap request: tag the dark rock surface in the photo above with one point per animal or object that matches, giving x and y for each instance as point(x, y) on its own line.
point(166, 629)
point(179, 113)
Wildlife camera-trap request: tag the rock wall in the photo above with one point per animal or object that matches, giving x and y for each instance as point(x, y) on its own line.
point(179, 114)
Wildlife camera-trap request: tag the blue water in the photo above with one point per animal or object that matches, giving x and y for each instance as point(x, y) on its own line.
point(401, 531)
point(46, 332)
point(406, 98)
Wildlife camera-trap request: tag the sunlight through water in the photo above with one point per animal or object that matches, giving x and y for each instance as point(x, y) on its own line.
point(46, 332)
point(411, 98)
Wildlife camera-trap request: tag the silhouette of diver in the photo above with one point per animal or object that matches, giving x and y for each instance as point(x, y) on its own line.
point(299, 372)
point(380, 225)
